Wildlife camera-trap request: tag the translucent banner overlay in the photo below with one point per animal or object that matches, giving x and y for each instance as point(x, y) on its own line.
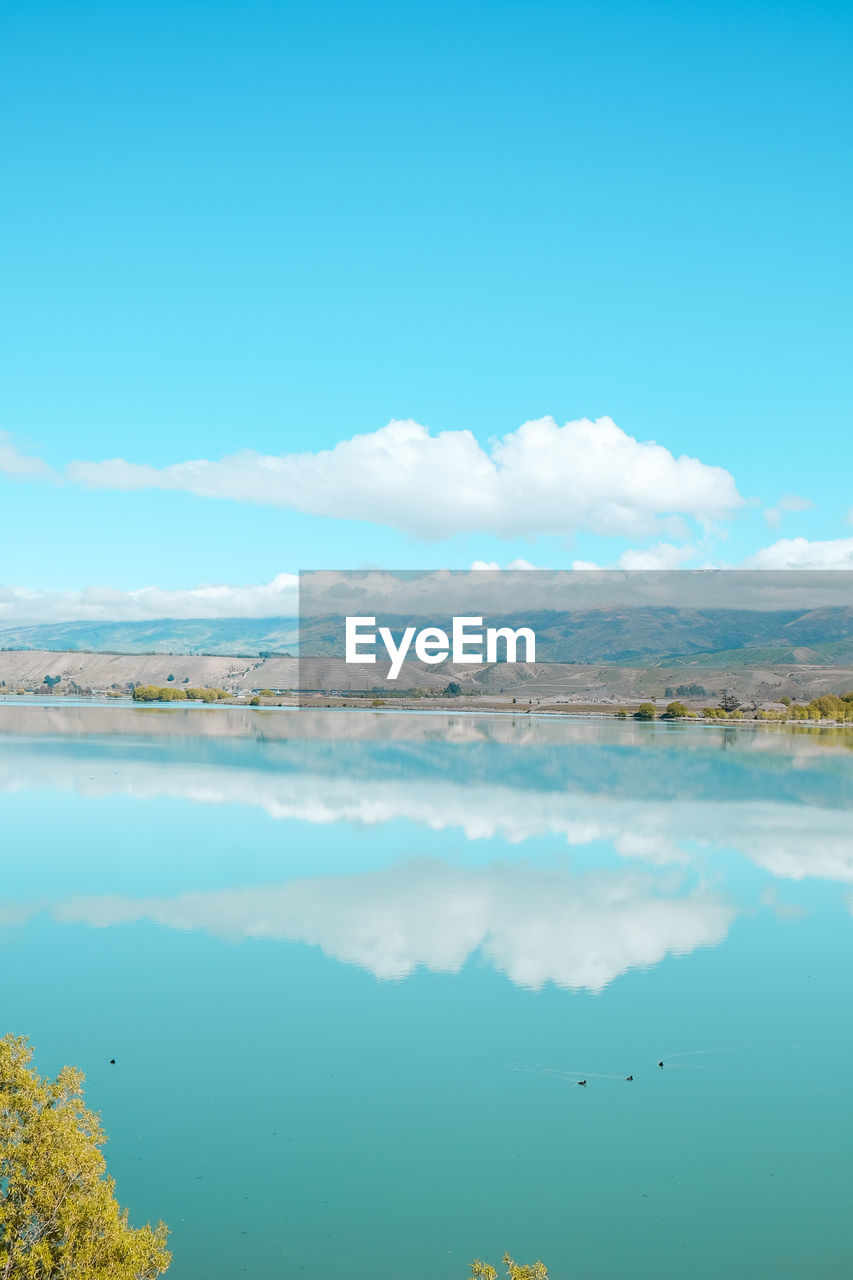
point(593, 636)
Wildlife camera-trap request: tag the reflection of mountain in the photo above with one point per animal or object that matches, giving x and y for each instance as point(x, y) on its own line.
point(666, 802)
point(661, 797)
point(536, 926)
point(239, 733)
point(604, 758)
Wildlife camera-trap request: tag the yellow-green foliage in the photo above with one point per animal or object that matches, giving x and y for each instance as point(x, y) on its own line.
point(827, 707)
point(645, 711)
point(515, 1270)
point(158, 693)
point(171, 693)
point(202, 695)
point(678, 711)
point(59, 1218)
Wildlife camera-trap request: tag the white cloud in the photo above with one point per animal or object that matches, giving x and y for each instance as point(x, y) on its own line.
point(480, 565)
point(790, 502)
point(16, 464)
point(536, 926)
point(482, 588)
point(800, 553)
point(541, 479)
point(787, 553)
point(22, 606)
point(662, 556)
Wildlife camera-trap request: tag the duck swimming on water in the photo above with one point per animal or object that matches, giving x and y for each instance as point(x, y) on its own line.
point(582, 1082)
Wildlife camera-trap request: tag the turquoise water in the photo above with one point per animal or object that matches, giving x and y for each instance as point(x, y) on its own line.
point(351, 967)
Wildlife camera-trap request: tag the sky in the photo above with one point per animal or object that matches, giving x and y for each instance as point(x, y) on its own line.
point(334, 285)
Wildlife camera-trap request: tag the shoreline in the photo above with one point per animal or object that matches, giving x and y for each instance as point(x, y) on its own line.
point(583, 712)
point(57, 673)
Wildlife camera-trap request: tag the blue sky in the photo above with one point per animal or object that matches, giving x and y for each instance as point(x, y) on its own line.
point(274, 227)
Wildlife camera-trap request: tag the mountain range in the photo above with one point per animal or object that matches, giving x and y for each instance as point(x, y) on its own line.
point(644, 636)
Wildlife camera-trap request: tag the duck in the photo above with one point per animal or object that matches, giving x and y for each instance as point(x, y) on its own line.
point(582, 1082)
point(629, 1077)
point(660, 1064)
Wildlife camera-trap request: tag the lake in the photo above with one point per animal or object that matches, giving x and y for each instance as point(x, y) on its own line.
point(351, 967)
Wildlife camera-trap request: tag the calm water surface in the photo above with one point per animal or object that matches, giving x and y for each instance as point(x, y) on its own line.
point(352, 966)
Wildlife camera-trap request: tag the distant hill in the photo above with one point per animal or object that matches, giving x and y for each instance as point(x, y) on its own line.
point(667, 637)
point(642, 636)
point(244, 636)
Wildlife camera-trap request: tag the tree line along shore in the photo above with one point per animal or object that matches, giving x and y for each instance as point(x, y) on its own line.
point(825, 709)
point(780, 692)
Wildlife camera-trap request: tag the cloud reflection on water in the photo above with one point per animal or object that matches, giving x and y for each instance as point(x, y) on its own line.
point(579, 931)
point(667, 806)
point(792, 841)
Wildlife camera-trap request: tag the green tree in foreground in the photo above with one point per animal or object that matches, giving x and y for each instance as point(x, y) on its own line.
point(646, 711)
point(59, 1218)
point(514, 1270)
